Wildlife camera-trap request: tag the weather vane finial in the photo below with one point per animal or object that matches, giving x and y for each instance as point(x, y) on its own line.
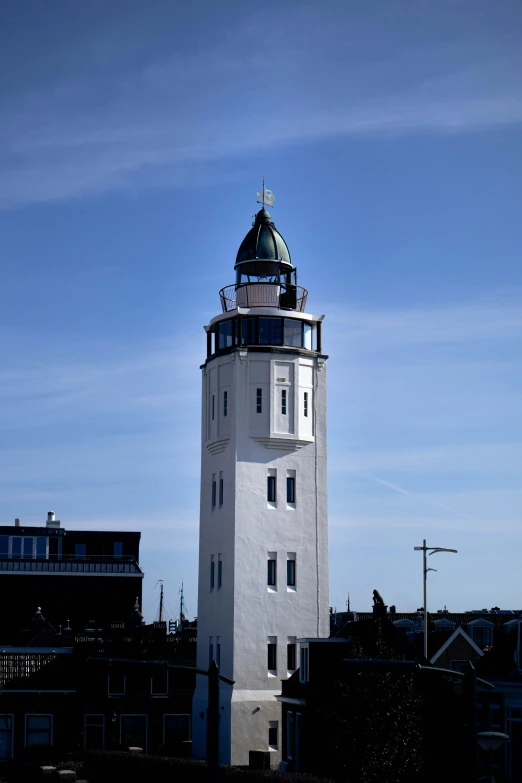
point(266, 197)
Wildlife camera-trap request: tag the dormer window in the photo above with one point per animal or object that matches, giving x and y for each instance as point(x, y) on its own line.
point(481, 631)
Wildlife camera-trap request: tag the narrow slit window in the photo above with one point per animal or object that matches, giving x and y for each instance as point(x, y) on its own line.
point(283, 401)
point(212, 572)
point(290, 489)
point(272, 572)
point(271, 489)
point(214, 490)
point(225, 403)
point(213, 406)
point(290, 573)
point(305, 404)
point(272, 653)
point(220, 572)
point(291, 660)
point(220, 489)
point(259, 401)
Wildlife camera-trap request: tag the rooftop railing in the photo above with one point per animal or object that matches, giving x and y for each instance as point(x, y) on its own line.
point(282, 296)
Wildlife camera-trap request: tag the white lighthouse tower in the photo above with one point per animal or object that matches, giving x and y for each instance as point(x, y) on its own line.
point(263, 549)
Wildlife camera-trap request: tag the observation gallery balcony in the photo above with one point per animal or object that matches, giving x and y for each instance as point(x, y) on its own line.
point(282, 296)
point(101, 564)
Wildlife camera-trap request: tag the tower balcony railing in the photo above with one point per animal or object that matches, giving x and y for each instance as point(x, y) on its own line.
point(282, 296)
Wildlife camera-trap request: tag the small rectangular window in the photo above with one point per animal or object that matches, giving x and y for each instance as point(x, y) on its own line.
point(290, 489)
point(271, 489)
point(4, 546)
point(272, 654)
point(290, 570)
point(225, 334)
point(283, 401)
point(291, 660)
point(116, 684)
point(305, 404)
point(259, 401)
point(221, 488)
point(118, 549)
point(212, 572)
point(272, 572)
point(213, 406)
point(214, 490)
point(225, 403)
point(38, 730)
point(94, 732)
point(273, 735)
point(220, 571)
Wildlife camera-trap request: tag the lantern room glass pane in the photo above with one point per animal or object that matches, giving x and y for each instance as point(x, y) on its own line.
point(225, 335)
point(293, 332)
point(28, 546)
point(270, 331)
point(248, 326)
point(41, 546)
point(4, 546)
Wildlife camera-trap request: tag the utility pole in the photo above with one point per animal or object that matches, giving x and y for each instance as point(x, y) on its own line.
point(432, 551)
point(181, 608)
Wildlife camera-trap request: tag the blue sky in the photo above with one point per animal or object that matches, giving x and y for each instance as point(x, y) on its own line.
point(132, 142)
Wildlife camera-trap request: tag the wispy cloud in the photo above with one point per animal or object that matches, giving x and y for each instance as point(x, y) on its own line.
point(159, 120)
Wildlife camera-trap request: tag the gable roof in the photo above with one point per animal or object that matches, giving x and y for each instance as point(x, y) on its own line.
point(451, 639)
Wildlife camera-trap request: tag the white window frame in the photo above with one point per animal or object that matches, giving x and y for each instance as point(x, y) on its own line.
point(85, 724)
point(38, 715)
point(178, 715)
point(119, 693)
point(137, 715)
point(10, 715)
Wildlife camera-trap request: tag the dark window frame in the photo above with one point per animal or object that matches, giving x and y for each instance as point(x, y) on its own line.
point(305, 405)
point(225, 403)
point(271, 576)
point(259, 400)
point(291, 572)
point(272, 656)
point(291, 656)
point(290, 490)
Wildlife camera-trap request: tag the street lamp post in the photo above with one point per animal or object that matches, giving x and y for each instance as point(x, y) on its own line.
point(432, 550)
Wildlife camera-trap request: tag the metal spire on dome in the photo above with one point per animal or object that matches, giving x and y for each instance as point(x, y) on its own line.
point(266, 197)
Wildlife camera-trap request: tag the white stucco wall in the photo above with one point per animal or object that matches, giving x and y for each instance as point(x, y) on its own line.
point(244, 446)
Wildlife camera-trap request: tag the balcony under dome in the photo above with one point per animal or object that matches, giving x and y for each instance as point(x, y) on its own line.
point(282, 296)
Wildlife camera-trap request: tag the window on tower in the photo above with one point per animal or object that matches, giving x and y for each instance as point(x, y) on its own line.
point(220, 572)
point(271, 489)
point(272, 569)
point(305, 404)
point(221, 489)
point(291, 656)
point(259, 401)
point(290, 570)
point(284, 394)
point(225, 403)
point(212, 572)
point(213, 406)
point(214, 490)
point(273, 735)
point(225, 334)
point(272, 655)
point(248, 331)
point(290, 489)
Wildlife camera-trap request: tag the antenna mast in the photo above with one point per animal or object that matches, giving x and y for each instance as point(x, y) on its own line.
point(181, 608)
point(160, 583)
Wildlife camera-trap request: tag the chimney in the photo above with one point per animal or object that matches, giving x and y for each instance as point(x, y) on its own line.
point(51, 521)
point(17, 522)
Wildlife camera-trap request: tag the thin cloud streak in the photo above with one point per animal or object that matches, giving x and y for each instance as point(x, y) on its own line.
point(396, 488)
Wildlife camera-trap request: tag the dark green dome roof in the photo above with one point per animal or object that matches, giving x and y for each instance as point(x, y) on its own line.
point(263, 241)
